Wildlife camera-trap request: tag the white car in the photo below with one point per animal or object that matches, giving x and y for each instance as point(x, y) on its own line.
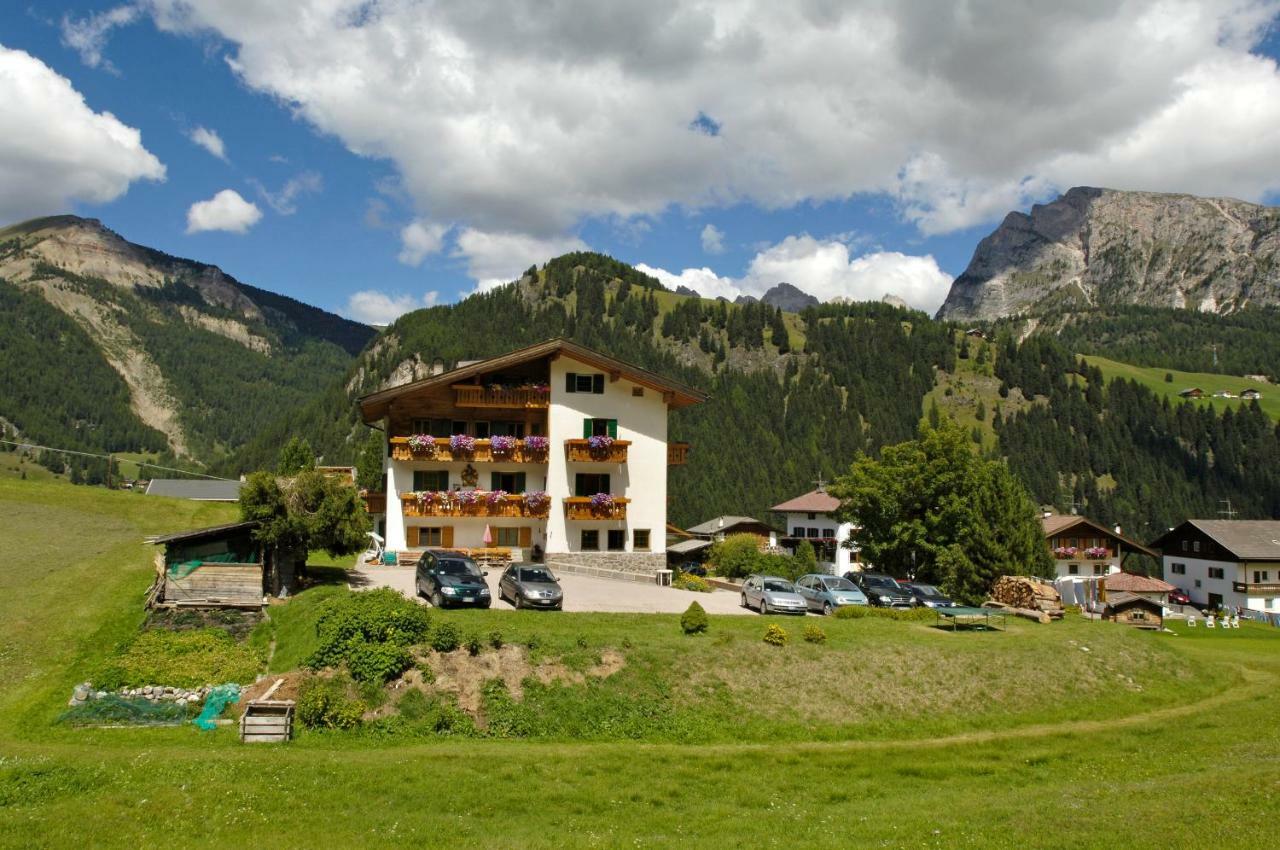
point(772, 595)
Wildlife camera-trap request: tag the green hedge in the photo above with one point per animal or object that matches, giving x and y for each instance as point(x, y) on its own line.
point(856, 612)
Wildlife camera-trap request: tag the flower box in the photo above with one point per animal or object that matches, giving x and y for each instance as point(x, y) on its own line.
point(582, 450)
point(599, 506)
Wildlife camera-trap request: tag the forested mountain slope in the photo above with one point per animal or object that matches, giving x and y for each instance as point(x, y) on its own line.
point(107, 345)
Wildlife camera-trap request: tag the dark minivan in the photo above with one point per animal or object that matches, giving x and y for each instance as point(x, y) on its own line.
point(882, 590)
point(451, 578)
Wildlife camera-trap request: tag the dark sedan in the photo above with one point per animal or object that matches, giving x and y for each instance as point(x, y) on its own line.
point(928, 596)
point(531, 586)
point(881, 590)
point(451, 578)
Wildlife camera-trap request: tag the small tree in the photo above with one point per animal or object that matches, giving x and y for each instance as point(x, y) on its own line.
point(694, 620)
point(295, 457)
point(736, 556)
point(369, 462)
point(806, 559)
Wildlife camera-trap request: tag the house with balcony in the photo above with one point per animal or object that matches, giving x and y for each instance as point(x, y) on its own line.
point(1081, 547)
point(1221, 563)
point(811, 517)
point(553, 450)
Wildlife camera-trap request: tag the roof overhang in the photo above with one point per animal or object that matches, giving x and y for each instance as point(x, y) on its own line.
point(1132, 544)
point(374, 407)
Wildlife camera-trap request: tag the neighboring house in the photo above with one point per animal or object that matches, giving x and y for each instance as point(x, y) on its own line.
point(553, 448)
point(1250, 394)
point(197, 489)
point(1133, 610)
point(1145, 586)
point(1082, 547)
point(811, 517)
point(1224, 394)
point(1224, 563)
point(722, 526)
point(977, 333)
point(1192, 392)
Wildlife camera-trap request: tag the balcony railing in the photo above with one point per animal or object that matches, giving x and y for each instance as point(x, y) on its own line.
point(374, 503)
point(580, 451)
point(581, 507)
point(1263, 587)
point(677, 454)
point(512, 505)
point(1065, 553)
point(482, 453)
point(474, 395)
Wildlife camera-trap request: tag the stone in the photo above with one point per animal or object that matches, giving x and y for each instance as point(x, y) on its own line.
point(81, 693)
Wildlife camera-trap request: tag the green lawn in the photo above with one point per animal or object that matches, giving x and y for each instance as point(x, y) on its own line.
point(1152, 377)
point(891, 735)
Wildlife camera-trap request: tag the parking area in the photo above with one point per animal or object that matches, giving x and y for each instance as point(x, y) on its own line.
point(581, 593)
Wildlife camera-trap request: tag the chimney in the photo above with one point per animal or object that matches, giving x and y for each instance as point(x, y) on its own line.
point(437, 366)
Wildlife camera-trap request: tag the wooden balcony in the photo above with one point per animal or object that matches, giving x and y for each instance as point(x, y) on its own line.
point(508, 507)
point(580, 507)
point(374, 503)
point(483, 453)
point(677, 454)
point(579, 451)
point(474, 395)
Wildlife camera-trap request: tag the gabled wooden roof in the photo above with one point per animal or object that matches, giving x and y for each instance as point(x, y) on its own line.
point(1059, 523)
point(374, 406)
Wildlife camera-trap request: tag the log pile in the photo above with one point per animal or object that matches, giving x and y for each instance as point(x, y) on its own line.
point(1028, 597)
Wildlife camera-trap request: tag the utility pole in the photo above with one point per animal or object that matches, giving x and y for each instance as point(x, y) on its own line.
point(1228, 512)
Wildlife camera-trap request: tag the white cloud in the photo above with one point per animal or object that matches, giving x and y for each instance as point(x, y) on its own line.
point(224, 211)
point(418, 240)
point(210, 141)
point(712, 239)
point(284, 202)
point(550, 114)
point(54, 149)
point(88, 36)
point(497, 258)
point(378, 308)
point(826, 270)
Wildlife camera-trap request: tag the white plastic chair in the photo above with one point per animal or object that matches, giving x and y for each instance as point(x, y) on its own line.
point(1191, 621)
point(1235, 621)
point(1208, 622)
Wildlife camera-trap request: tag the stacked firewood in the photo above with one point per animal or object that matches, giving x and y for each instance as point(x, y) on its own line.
point(1037, 598)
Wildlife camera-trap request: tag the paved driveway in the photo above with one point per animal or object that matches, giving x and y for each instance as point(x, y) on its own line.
point(581, 593)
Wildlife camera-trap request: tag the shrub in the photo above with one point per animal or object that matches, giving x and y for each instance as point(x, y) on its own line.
point(474, 644)
point(325, 704)
point(376, 662)
point(775, 635)
point(814, 634)
point(495, 639)
point(855, 612)
point(184, 659)
point(736, 556)
point(374, 617)
point(446, 637)
point(694, 620)
point(688, 581)
point(582, 642)
point(433, 715)
point(533, 642)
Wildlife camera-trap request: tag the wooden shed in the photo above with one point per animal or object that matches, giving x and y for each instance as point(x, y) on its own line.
point(1133, 610)
point(219, 566)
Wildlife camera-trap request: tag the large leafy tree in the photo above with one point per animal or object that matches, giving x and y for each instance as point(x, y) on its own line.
point(933, 509)
point(307, 512)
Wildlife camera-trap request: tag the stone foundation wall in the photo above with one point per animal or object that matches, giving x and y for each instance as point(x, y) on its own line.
point(640, 563)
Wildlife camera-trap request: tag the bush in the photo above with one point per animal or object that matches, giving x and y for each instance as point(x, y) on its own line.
point(380, 616)
point(474, 644)
point(694, 620)
point(736, 556)
point(775, 635)
point(856, 612)
point(495, 639)
point(377, 662)
point(434, 715)
point(814, 634)
point(325, 704)
point(688, 581)
point(446, 637)
point(184, 659)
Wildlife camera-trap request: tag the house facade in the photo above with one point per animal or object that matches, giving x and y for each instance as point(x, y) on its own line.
point(551, 450)
point(1081, 547)
point(1224, 563)
point(811, 517)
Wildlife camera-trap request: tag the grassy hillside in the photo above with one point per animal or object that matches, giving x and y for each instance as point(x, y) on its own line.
point(984, 761)
point(1153, 378)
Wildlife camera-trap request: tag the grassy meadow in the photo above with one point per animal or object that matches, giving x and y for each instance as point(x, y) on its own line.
point(892, 734)
point(1152, 377)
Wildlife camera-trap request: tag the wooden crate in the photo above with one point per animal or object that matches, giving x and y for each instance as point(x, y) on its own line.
point(267, 721)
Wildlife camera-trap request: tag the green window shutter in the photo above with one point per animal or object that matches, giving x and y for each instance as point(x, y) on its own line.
point(580, 485)
point(604, 484)
point(571, 383)
point(597, 384)
point(586, 427)
point(613, 428)
point(520, 488)
point(495, 481)
point(419, 480)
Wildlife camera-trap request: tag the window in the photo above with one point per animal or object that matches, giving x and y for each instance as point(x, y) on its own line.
point(590, 540)
point(1137, 615)
point(480, 430)
point(506, 537)
point(1073, 569)
point(640, 540)
point(599, 428)
point(1195, 547)
point(637, 392)
point(590, 483)
point(1216, 572)
point(431, 537)
point(1259, 576)
point(435, 427)
point(575, 383)
point(1185, 545)
point(798, 531)
point(828, 532)
point(1178, 569)
point(1099, 569)
point(617, 540)
point(506, 429)
point(813, 531)
point(812, 516)
point(457, 426)
point(1197, 582)
point(434, 479)
point(512, 482)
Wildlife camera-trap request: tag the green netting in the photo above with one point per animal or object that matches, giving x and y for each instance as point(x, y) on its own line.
point(214, 704)
point(112, 709)
point(182, 569)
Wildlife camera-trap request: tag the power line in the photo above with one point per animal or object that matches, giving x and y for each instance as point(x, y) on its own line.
point(110, 458)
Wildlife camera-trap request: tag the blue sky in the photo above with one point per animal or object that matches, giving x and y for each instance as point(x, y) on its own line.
point(434, 148)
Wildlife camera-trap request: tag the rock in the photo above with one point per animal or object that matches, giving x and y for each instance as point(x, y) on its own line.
point(146, 691)
point(81, 693)
point(791, 299)
point(100, 695)
point(1100, 246)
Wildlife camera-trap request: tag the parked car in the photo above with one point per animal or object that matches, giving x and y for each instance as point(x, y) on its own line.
point(772, 594)
point(827, 593)
point(693, 568)
point(928, 596)
point(881, 590)
point(451, 578)
point(1179, 597)
point(529, 585)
